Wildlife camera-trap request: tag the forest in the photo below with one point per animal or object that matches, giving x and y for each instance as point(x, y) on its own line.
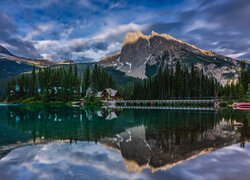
point(59, 84)
point(183, 82)
point(179, 83)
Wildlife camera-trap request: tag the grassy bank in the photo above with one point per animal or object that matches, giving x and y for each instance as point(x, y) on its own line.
point(34, 101)
point(88, 102)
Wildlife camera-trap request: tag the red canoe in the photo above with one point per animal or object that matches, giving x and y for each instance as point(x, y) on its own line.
point(242, 106)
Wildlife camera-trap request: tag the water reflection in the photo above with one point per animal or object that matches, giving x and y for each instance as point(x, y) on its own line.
point(94, 161)
point(147, 139)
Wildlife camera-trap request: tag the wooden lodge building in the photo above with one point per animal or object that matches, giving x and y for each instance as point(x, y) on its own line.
point(109, 94)
point(106, 94)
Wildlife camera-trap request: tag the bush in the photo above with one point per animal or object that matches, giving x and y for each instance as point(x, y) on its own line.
point(92, 101)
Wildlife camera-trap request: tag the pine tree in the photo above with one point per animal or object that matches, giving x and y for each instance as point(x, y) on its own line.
point(94, 77)
point(176, 83)
point(247, 97)
point(33, 89)
point(240, 92)
point(86, 81)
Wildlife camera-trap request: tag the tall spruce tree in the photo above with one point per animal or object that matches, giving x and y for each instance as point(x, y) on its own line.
point(86, 81)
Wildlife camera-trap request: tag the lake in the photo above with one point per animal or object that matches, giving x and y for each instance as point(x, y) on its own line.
point(43, 142)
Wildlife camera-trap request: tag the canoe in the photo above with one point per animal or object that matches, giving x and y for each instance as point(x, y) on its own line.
point(242, 106)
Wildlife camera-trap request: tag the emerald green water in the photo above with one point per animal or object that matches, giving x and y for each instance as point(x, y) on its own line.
point(141, 141)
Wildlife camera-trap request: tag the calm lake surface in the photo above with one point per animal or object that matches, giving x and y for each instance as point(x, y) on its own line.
point(42, 142)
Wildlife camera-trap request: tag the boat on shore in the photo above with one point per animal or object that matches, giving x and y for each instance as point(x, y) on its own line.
point(245, 106)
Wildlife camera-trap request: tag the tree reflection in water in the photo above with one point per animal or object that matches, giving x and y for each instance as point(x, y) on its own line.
point(165, 137)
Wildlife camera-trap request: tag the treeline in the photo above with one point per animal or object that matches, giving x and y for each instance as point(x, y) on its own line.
point(57, 84)
point(177, 82)
point(65, 84)
point(238, 90)
point(98, 79)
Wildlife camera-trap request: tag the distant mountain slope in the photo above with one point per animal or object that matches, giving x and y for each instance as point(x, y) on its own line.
point(12, 65)
point(9, 69)
point(141, 56)
point(3, 50)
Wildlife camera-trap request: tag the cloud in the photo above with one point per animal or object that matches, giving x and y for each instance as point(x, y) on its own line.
point(164, 27)
point(83, 28)
point(10, 39)
point(86, 49)
point(117, 31)
point(236, 55)
point(220, 26)
point(40, 29)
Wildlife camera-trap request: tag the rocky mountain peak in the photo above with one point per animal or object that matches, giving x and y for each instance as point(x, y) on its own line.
point(141, 56)
point(133, 37)
point(166, 36)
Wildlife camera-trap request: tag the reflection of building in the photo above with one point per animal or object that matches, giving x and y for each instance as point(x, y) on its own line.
point(107, 115)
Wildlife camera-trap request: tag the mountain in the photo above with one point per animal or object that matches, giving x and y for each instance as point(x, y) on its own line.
point(3, 50)
point(6, 55)
point(141, 56)
point(162, 152)
point(9, 69)
point(12, 65)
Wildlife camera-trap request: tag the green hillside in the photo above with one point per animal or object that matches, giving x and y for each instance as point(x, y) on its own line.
point(10, 69)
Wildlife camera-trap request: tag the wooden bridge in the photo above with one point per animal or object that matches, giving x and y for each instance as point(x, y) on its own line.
point(167, 103)
point(167, 108)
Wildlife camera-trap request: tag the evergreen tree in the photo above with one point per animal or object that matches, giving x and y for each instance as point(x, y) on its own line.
point(176, 83)
point(86, 80)
point(56, 84)
point(247, 97)
point(240, 92)
point(33, 87)
point(95, 77)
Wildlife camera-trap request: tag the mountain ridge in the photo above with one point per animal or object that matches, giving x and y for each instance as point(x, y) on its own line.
point(7, 55)
point(3, 50)
point(12, 65)
point(141, 56)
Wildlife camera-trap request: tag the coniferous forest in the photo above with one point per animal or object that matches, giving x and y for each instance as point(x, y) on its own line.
point(179, 82)
point(57, 84)
point(238, 91)
point(183, 82)
point(61, 84)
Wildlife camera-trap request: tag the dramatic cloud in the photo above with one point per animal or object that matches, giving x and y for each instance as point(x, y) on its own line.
point(91, 48)
point(10, 39)
point(87, 30)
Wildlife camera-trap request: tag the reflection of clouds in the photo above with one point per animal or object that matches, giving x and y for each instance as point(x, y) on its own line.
point(93, 161)
point(231, 162)
point(56, 160)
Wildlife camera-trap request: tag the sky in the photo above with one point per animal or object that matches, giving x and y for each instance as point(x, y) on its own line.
point(87, 30)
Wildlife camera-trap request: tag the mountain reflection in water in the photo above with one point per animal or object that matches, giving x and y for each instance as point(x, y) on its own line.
point(154, 140)
point(94, 161)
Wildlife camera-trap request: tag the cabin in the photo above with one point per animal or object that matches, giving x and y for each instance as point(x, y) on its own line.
point(109, 94)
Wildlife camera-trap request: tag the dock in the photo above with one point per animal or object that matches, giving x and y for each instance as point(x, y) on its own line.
point(188, 104)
